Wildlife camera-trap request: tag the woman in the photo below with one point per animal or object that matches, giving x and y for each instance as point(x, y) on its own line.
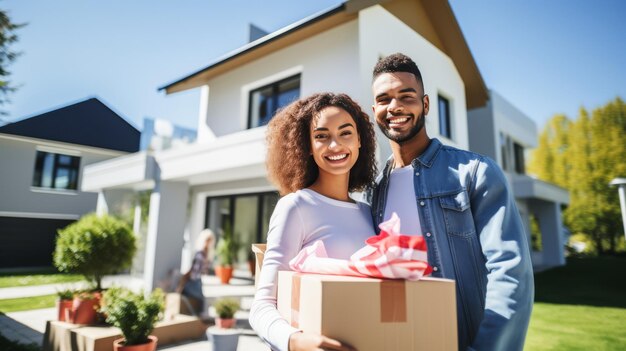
point(320, 148)
point(190, 283)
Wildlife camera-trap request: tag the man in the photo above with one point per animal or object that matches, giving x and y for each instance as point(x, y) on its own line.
point(460, 203)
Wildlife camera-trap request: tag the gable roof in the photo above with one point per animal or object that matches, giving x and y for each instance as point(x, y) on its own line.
point(89, 122)
point(432, 19)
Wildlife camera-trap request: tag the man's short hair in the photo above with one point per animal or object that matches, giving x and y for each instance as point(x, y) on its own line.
point(397, 63)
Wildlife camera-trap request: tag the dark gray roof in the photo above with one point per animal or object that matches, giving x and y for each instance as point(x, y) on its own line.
point(88, 122)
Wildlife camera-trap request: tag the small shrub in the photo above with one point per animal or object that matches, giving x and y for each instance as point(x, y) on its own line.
point(95, 246)
point(133, 313)
point(226, 307)
point(66, 294)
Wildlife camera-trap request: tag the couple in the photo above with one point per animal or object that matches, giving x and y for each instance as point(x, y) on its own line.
point(322, 147)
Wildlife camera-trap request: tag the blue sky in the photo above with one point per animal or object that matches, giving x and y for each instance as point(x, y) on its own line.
point(545, 57)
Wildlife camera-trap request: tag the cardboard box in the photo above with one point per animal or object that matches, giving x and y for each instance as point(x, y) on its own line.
point(372, 314)
point(61, 336)
point(176, 304)
point(259, 254)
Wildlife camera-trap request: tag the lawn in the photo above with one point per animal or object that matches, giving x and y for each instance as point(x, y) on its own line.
point(36, 278)
point(27, 303)
point(581, 306)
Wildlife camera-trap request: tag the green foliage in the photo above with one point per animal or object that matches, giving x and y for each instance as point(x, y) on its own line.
point(95, 246)
point(66, 294)
point(535, 234)
point(227, 247)
point(226, 307)
point(133, 313)
point(583, 156)
point(7, 56)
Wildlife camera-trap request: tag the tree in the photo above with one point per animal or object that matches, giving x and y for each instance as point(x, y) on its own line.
point(7, 56)
point(583, 156)
point(550, 157)
point(95, 246)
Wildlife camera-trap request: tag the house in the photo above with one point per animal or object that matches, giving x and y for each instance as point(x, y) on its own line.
point(504, 133)
point(42, 159)
point(222, 177)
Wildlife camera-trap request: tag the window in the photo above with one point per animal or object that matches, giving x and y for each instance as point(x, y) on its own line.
point(519, 158)
point(265, 101)
point(504, 151)
point(56, 171)
point(248, 216)
point(444, 117)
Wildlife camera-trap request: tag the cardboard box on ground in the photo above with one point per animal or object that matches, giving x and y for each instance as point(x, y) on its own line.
point(372, 314)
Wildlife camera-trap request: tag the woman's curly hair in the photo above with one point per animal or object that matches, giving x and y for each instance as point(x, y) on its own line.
point(290, 164)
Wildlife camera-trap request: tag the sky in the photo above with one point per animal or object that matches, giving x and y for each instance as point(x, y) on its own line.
point(545, 57)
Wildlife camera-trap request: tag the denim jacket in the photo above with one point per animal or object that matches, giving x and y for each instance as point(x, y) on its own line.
point(475, 236)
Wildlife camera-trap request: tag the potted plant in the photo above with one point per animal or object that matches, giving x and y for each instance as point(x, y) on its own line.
point(223, 336)
point(135, 315)
point(226, 254)
point(95, 246)
point(225, 309)
point(84, 308)
point(64, 303)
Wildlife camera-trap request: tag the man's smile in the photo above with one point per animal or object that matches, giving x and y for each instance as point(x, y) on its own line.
point(398, 121)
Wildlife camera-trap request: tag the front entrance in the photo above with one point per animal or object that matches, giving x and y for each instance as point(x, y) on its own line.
point(247, 214)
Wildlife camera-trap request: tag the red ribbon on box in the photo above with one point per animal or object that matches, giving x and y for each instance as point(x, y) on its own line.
point(388, 255)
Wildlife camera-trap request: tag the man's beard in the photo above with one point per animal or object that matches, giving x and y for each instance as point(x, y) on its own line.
point(419, 124)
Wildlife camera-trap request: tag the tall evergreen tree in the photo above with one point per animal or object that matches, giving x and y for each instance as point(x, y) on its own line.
point(7, 56)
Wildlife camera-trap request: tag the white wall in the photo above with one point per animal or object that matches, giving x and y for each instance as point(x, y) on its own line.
point(327, 62)
point(513, 122)
point(381, 34)
point(17, 165)
point(483, 137)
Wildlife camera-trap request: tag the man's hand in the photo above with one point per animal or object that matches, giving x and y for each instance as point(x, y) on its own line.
point(315, 342)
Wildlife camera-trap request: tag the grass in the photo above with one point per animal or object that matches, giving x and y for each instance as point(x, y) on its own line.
point(580, 306)
point(27, 303)
point(37, 278)
point(569, 327)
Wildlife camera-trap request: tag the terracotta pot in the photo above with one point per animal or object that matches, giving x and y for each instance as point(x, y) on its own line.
point(225, 323)
point(224, 272)
point(118, 345)
point(62, 306)
point(84, 311)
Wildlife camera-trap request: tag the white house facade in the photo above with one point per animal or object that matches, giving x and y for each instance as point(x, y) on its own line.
point(222, 176)
point(504, 133)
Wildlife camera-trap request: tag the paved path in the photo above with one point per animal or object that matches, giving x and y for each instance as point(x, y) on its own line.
point(29, 326)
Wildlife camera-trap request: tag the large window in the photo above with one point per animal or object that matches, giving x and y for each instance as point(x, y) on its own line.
point(56, 171)
point(248, 215)
point(445, 128)
point(265, 101)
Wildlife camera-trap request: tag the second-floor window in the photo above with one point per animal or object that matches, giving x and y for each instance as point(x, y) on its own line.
point(445, 129)
point(266, 100)
point(56, 171)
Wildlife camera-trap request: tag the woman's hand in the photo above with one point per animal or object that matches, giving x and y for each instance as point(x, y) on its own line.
point(315, 342)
